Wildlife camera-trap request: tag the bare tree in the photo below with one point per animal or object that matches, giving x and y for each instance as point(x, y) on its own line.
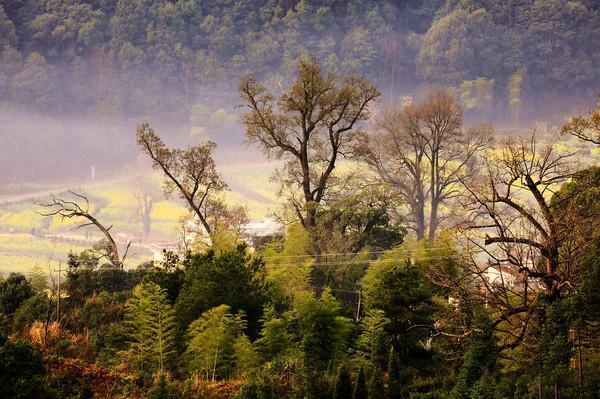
point(192, 172)
point(312, 125)
point(587, 129)
point(145, 195)
point(423, 152)
point(513, 223)
point(72, 209)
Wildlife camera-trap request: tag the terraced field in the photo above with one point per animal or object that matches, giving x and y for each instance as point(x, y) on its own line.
point(28, 239)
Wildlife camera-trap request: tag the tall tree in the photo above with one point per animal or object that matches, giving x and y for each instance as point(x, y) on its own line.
point(311, 125)
point(424, 153)
point(514, 222)
point(145, 195)
point(212, 341)
point(152, 323)
point(192, 172)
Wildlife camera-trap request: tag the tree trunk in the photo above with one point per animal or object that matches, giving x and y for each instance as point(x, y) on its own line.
point(433, 219)
point(147, 224)
point(420, 220)
point(580, 362)
point(310, 218)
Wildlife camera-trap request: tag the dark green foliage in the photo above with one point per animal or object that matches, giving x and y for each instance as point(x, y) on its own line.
point(588, 289)
point(169, 280)
point(277, 380)
point(232, 278)
point(322, 331)
point(394, 388)
point(376, 386)
point(404, 294)
point(343, 384)
point(275, 339)
point(13, 292)
point(21, 371)
point(374, 342)
point(163, 390)
point(358, 221)
point(85, 277)
point(554, 349)
point(33, 309)
point(360, 386)
point(478, 361)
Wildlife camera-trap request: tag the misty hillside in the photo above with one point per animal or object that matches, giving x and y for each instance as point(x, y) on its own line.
point(83, 74)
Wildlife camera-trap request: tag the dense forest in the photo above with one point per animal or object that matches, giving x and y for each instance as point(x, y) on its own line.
point(86, 71)
point(426, 242)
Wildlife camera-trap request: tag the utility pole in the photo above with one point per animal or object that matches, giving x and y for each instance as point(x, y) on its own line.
point(58, 292)
point(358, 305)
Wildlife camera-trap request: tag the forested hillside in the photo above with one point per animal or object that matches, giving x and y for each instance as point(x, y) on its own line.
point(280, 199)
point(177, 63)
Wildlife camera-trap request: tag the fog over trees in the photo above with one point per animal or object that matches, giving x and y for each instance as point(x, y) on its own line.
point(84, 72)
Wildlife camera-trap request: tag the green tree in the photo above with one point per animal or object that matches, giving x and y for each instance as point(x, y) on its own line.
point(35, 308)
point(376, 387)
point(152, 323)
point(399, 288)
point(21, 371)
point(292, 263)
point(478, 360)
point(463, 43)
point(163, 389)
point(374, 342)
point(358, 221)
point(395, 381)
point(275, 340)
point(233, 278)
point(322, 330)
point(211, 351)
point(38, 279)
point(13, 292)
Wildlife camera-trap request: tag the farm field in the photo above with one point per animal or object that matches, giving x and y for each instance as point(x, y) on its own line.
point(28, 239)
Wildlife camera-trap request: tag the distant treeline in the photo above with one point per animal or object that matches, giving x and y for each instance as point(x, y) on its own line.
point(506, 59)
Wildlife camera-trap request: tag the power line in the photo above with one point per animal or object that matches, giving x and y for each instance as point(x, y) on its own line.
point(359, 253)
point(369, 261)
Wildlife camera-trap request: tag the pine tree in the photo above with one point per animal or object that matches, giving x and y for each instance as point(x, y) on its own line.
point(38, 279)
point(275, 340)
point(211, 351)
point(152, 325)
